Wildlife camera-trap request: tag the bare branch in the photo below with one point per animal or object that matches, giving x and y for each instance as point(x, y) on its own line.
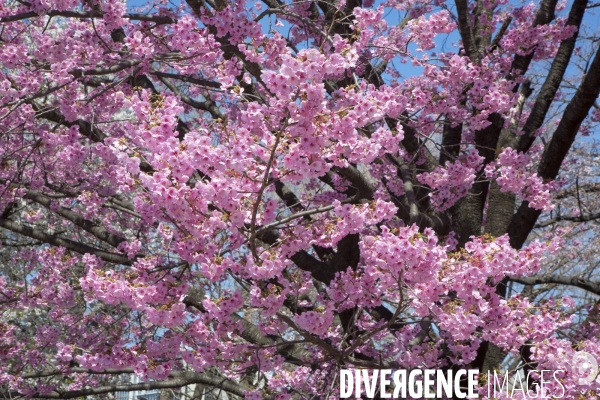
point(68, 244)
point(576, 281)
point(572, 218)
point(176, 380)
point(554, 78)
point(206, 105)
point(466, 31)
point(188, 79)
point(97, 230)
point(556, 151)
point(159, 19)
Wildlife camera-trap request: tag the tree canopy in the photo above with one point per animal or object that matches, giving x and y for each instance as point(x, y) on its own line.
point(251, 196)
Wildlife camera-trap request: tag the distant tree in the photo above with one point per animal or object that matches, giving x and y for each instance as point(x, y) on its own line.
point(252, 196)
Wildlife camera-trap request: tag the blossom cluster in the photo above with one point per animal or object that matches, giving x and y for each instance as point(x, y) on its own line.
point(511, 172)
point(453, 181)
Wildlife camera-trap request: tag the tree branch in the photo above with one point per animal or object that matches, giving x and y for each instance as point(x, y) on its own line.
point(97, 230)
point(176, 380)
point(560, 144)
point(68, 244)
point(466, 31)
point(572, 218)
point(553, 80)
point(207, 105)
point(159, 19)
point(361, 182)
point(593, 287)
point(188, 79)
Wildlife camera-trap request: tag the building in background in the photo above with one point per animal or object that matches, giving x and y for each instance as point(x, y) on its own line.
point(186, 392)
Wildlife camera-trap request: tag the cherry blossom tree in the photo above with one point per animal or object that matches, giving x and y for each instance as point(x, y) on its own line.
point(251, 196)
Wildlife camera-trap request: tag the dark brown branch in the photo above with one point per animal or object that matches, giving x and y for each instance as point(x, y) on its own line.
point(408, 210)
point(557, 149)
point(572, 218)
point(97, 230)
point(289, 197)
point(78, 73)
point(292, 352)
point(85, 128)
point(500, 33)
point(412, 143)
point(159, 19)
point(206, 105)
point(545, 15)
point(593, 287)
point(364, 187)
point(68, 244)
point(176, 380)
point(78, 370)
point(553, 80)
point(466, 31)
point(591, 188)
point(450, 142)
point(321, 271)
point(188, 79)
